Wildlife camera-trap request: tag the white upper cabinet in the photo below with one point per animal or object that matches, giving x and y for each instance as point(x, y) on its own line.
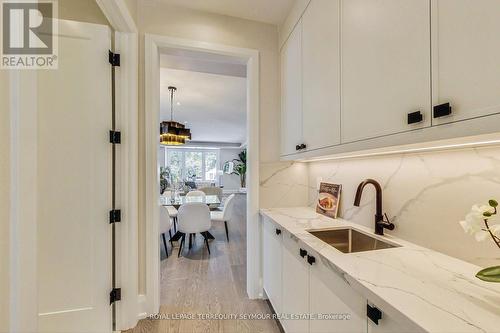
point(466, 62)
point(291, 92)
point(321, 74)
point(366, 74)
point(385, 66)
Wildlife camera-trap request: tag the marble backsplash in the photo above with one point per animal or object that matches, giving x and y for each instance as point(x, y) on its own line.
point(283, 184)
point(424, 194)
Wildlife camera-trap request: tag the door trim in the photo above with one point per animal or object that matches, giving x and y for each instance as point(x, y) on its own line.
point(152, 46)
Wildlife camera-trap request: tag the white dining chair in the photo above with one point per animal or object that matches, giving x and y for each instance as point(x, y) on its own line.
point(213, 190)
point(192, 218)
point(196, 193)
point(165, 226)
point(226, 214)
point(171, 209)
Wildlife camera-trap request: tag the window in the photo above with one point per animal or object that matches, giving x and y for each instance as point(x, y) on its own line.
point(210, 165)
point(188, 164)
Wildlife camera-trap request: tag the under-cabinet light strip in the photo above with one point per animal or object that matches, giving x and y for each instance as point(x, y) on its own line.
point(407, 150)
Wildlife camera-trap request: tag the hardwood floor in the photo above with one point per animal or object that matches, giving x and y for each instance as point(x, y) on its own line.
point(197, 283)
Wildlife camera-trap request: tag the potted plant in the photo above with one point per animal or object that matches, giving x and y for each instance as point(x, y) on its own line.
point(480, 223)
point(240, 167)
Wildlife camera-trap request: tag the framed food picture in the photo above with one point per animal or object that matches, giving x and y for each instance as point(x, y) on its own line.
point(328, 199)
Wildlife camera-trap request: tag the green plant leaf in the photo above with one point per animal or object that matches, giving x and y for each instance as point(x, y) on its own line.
point(489, 274)
point(493, 203)
point(487, 214)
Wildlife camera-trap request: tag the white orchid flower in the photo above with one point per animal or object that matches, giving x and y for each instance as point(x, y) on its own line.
point(480, 210)
point(474, 222)
point(482, 222)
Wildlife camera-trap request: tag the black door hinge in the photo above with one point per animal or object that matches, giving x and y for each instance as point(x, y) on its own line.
point(115, 295)
point(115, 215)
point(373, 313)
point(114, 59)
point(115, 137)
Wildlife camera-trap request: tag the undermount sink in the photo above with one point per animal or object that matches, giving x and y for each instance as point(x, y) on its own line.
point(348, 240)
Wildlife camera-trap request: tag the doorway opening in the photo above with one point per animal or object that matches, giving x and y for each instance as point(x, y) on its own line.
point(217, 99)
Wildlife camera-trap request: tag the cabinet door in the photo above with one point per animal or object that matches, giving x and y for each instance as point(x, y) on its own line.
point(272, 259)
point(329, 294)
point(466, 57)
point(385, 66)
point(321, 74)
point(291, 92)
point(295, 287)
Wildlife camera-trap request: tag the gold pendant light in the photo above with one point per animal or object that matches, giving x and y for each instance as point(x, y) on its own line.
point(173, 133)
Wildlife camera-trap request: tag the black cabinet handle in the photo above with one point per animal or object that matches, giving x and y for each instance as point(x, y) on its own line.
point(303, 146)
point(373, 313)
point(302, 253)
point(415, 117)
point(442, 110)
point(311, 260)
point(297, 147)
point(278, 231)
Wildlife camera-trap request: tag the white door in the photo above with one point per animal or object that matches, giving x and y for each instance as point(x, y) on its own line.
point(295, 287)
point(291, 92)
point(331, 294)
point(321, 74)
point(74, 183)
point(272, 264)
point(385, 66)
point(466, 58)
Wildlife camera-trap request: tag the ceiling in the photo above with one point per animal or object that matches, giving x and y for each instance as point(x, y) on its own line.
point(203, 62)
point(213, 105)
point(268, 11)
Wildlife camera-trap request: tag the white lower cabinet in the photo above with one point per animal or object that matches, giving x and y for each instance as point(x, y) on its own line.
point(272, 264)
point(295, 287)
point(330, 295)
point(300, 284)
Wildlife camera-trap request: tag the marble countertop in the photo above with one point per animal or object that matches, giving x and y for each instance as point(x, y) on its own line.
point(429, 290)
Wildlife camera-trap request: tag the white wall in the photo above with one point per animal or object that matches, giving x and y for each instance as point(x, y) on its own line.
point(81, 11)
point(426, 193)
point(4, 200)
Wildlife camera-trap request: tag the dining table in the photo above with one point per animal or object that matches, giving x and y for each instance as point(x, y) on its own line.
point(178, 200)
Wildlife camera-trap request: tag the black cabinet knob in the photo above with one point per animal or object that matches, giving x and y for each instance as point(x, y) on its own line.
point(297, 147)
point(415, 117)
point(373, 313)
point(302, 253)
point(442, 110)
point(303, 146)
point(311, 260)
point(278, 231)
